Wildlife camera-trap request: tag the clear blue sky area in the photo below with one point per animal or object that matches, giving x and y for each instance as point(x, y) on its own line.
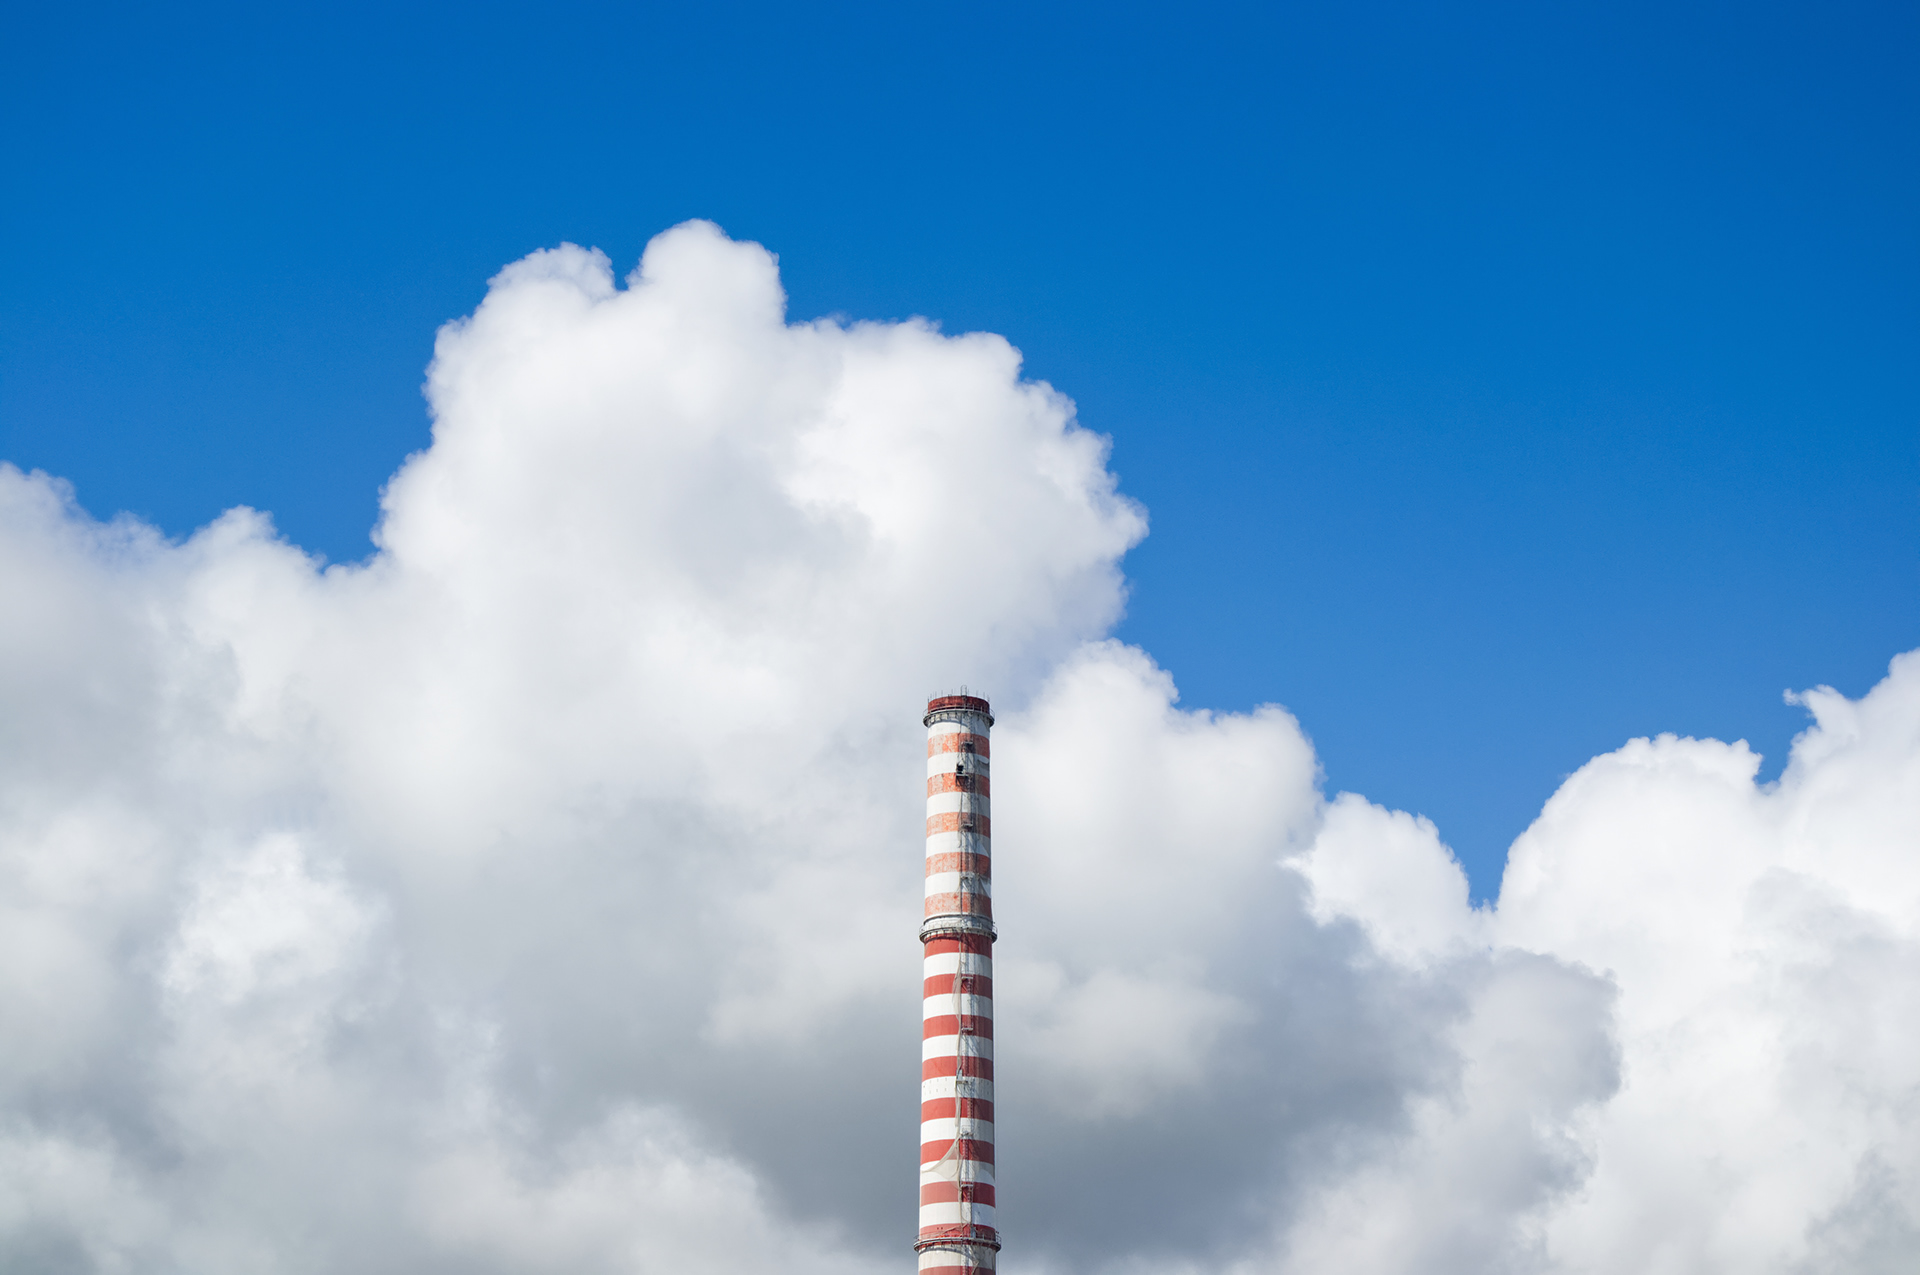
point(1504, 380)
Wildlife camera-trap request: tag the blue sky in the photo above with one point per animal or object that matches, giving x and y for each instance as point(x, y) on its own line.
point(1503, 382)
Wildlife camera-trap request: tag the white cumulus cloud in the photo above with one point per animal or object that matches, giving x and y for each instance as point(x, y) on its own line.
point(1761, 948)
point(540, 894)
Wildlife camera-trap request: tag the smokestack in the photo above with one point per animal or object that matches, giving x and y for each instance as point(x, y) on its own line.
point(957, 1235)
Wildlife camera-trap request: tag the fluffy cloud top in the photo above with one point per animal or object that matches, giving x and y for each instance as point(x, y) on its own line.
point(539, 895)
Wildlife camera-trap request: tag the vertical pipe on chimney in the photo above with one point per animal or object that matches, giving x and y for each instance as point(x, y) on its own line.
point(957, 1235)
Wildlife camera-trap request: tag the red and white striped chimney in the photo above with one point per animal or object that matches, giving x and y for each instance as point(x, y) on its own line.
point(957, 1235)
